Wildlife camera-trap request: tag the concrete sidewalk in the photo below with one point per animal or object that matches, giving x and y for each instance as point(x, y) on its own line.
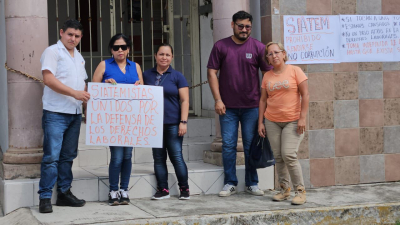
point(355, 204)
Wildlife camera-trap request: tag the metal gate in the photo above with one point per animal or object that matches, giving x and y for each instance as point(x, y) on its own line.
point(147, 23)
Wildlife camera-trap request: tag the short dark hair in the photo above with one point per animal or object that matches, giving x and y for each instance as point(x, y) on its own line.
point(116, 37)
point(164, 45)
point(75, 24)
point(242, 15)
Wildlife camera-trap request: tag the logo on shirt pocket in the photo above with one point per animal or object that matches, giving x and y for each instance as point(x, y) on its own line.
point(249, 55)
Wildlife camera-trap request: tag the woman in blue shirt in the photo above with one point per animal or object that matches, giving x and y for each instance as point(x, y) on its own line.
point(176, 110)
point(119, 69)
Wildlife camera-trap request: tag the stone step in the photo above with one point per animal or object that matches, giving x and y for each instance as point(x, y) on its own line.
point(215, 158)
point(197, 127)
point(91, 183)
point(200, 134)
point(200, 127)
point(193, 149)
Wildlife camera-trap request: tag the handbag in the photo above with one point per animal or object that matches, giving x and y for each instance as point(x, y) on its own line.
point(261, 155)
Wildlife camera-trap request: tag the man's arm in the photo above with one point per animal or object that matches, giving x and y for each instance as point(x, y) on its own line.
point(54, 84)
point(214, 86)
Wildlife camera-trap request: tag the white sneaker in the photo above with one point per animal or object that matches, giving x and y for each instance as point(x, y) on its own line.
point(113, 198)
point(254, 190)
point(228, 190)
point(124, 199)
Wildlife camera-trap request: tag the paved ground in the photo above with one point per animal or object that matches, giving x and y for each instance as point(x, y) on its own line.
point(326, 202)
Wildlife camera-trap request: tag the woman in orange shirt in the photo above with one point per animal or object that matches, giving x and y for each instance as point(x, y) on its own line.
point(285, 118)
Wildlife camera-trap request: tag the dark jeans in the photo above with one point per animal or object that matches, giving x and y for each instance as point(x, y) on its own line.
point(120, 163)
point(229, 122)
point(60, 148)
point(172, 144)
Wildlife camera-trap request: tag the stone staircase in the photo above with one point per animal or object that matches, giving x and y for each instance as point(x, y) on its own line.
point(91, 172)
point(200, 134)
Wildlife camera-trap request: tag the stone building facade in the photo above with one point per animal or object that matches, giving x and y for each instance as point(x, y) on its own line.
point(353, 132)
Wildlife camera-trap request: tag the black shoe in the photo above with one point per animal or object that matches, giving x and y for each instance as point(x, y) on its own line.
point(185, 193)
point(124, 199)
point(161, 194)
point(113, 198)
point(69, 199)
point(45, 206)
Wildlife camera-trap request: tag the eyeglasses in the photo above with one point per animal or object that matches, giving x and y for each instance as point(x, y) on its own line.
point(272, 53)
point(241, 26)
point(116, 47)
point(158, 79)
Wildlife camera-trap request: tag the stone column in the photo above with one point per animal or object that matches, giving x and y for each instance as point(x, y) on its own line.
point(26, 38)
point(222, 17)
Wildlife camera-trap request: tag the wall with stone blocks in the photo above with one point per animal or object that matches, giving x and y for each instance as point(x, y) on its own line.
point(354, 116)
point(3, 84)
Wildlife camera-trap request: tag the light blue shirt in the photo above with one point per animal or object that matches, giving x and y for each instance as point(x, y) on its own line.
point(68, 70)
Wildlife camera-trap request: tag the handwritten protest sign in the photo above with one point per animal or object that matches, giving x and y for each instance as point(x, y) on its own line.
point(311, 39)
point(396, 28)
point(344, 38)
point(125, 115)
point(369, 38)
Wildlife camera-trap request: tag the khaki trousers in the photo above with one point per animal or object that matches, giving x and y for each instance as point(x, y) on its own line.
point(285, 144)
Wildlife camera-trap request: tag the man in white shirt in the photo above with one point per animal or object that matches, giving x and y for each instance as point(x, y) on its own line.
point(64, 75)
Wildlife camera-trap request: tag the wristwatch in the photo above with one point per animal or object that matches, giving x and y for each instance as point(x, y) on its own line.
point(184, 121)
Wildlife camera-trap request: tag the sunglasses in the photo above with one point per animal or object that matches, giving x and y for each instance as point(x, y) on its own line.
point(116, 47)
point(241, 26)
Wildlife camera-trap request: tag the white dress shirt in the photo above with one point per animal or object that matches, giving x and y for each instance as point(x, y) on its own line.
point(68, 70)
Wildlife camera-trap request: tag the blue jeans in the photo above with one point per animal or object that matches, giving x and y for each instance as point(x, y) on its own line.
point(229, 122)
point(120, 163)
point(60, 148)
point(172, 144)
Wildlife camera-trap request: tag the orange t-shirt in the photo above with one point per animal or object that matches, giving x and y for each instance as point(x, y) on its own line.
point(283, 102)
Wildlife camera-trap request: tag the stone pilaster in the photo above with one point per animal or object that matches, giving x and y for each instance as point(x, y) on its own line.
point(222, 17)
point(27, 37)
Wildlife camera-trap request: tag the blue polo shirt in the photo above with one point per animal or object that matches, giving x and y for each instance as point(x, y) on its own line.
point(113, 71)
point(171, 81)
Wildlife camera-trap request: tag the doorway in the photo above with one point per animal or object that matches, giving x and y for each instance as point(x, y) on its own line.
point(148, 23)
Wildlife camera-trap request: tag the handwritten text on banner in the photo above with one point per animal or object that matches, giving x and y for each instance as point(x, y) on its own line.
point(344, 38)
point(369, 38)
point(308, 39)
point(124, 115)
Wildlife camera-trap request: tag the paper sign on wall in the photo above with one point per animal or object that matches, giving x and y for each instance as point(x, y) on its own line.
point(396, 28)
point(344, 38)
point(370, 38)
point(311, 39)
point(125, 115)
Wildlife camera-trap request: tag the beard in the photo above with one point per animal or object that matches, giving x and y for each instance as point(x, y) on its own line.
point(240, 37)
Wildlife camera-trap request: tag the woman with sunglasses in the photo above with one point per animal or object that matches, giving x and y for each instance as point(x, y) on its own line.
point(284, 104)
point(176, 110)
point(119, 69)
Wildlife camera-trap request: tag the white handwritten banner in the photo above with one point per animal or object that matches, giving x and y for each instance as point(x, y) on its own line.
point(343, 38)
point(369, 38)
point(312, 39)
point(396, 28)
point(125, 115)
